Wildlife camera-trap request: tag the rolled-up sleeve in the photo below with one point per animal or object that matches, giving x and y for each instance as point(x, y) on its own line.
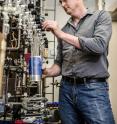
point(59, 58)
point(98, 43)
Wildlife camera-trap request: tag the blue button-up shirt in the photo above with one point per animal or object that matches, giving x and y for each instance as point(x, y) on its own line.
point(94, 32)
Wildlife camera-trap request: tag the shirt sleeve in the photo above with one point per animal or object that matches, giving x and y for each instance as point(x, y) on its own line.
point(58, 59)
point(98, 44)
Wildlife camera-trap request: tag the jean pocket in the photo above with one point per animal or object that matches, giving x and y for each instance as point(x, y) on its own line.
point(98, 86)
point(101, 88)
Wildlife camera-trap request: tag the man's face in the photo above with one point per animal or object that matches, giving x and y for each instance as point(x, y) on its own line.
point(70, 5)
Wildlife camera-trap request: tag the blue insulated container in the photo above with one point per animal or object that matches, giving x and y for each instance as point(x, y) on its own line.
point(35, 68)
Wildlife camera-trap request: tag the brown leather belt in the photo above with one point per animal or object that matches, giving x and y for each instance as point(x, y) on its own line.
point(83, 80)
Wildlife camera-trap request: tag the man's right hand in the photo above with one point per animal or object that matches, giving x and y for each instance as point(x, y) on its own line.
point(44, 73)
point(51, 72)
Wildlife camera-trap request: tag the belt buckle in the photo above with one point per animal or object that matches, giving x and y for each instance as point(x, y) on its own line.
point(80, 80)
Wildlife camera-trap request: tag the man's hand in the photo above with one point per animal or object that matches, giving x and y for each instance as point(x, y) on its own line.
point(50, 25)
point(45, 73)
point(51, 72)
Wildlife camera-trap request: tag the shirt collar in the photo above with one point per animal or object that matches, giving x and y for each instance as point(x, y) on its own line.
point(89, 12)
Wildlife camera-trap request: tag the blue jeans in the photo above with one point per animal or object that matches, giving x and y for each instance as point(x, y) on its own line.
point(85, 103)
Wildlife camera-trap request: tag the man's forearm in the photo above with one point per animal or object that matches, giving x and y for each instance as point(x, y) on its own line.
point(73, 40)
point(54, 28)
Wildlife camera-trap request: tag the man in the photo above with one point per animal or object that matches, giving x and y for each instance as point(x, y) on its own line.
point(82, 61)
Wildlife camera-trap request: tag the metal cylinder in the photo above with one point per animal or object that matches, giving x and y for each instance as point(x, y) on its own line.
point(35, 68)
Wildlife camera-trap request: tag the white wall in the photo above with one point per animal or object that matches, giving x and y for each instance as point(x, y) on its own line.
point(113, 69)
point(111, 5)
